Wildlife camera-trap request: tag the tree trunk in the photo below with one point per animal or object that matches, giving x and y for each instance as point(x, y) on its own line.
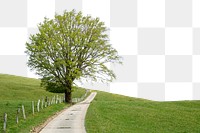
point(68, 95)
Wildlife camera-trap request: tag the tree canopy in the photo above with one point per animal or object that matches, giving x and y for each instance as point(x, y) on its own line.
point(70, 47)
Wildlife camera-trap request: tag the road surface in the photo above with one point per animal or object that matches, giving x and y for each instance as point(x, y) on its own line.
point(71, 120)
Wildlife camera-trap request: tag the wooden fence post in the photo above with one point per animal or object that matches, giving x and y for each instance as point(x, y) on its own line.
point(33, 110)
point(17, 117)
point(81, 98)
point(5, 122)
point(56, 99)
point(46, 99)
point(49, 103)
point(42, 103)
point(60, 99)
point(38, 106)
point(64, 98)
point(52, 100)
point(86, 93)
point(23, 111)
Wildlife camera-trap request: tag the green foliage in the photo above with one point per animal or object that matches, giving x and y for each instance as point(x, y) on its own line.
point(70, 47)
point(111, 113)
point(54, 87)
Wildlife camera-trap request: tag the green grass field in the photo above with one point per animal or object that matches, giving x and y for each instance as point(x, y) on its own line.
point(15, 91)
point(110, 113)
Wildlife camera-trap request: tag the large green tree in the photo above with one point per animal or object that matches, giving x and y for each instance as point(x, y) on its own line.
point(68, 48)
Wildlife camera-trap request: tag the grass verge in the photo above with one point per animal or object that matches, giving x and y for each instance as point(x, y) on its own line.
point(15, 91)
point(111, 113)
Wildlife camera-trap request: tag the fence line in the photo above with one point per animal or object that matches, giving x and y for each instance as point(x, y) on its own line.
point(44, 103)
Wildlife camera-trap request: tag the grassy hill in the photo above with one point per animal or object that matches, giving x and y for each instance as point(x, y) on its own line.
point(15, 91)
point(110, 113)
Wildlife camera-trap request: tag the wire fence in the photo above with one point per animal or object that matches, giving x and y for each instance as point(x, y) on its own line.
point(36, 107)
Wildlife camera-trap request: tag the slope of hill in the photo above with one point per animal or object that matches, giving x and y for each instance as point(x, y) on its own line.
point(15, 91)
point(110, 113)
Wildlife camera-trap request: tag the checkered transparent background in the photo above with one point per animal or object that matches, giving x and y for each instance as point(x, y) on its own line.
point(159, 41)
